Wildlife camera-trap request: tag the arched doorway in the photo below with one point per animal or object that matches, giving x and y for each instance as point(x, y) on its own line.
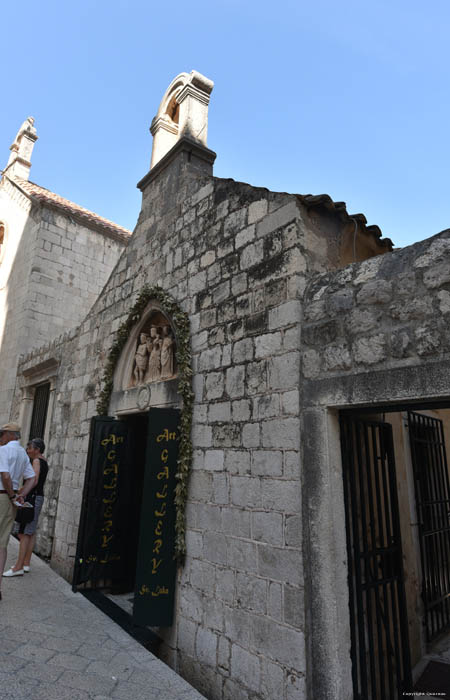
point(127, 526)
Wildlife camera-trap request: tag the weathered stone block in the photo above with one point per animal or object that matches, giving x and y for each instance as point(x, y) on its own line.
point(284, 371)
point(293, 607)
point(239, 283)
point(278, 564)
point(241, 555)
point(375, 292)
point(272, 680)
point(225, 584)
point(281, 433)
point(235, 377)
point(215, 547)
point(311, 364)
point(400, 342)
point(243, 350)
point(236, 522)
point(267, 463)
point(283, 496)
point(251, 593)
point(293, 531)
point(428, 340)
point(362, 320)
point(437, 276)
point(206, 646)
point(251, 435)
point(278, 218)
point(251, 255)
point(237, 462)
point(221, 292)
point(219, 412)
point(221, 488)
point(295, 687)
point(246, 667)
point(266, 406)
point(214, 385)
point(227, 435)
point(285, 314)
point(267, 344)
point(283, 644)
point(257, 210)
point(214, 460)
point(267, 527)
point(245, 491)
point(371, 350)
point(241, 410)
point(337, 357)
point(245, 236)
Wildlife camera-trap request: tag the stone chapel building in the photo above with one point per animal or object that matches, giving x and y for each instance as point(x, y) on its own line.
point(277, 360)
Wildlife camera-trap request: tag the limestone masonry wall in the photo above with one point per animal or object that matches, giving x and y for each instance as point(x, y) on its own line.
point(234, 258)
point(389, 311)
point(238, 260)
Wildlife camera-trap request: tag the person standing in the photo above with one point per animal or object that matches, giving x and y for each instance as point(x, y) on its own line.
point(14, 466)
point(26, 532)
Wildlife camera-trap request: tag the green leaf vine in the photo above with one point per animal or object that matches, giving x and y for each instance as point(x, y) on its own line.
point(180, 321)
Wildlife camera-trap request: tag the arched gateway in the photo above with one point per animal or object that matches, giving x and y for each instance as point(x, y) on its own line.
point(126, 542)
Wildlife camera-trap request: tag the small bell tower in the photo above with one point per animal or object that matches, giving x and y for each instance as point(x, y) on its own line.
point(19, 162)
point(183, 112)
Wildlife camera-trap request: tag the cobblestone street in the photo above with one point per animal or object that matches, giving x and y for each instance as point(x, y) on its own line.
point(56, 645)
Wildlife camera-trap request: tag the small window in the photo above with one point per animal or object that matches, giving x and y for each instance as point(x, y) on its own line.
point(40, 406)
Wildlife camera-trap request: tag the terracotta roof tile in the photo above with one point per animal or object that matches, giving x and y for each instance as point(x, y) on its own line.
point(312, 201)
point(85, 216)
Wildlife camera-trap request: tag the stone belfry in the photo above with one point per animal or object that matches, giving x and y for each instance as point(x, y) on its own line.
point(183, 112)
point(19, 162)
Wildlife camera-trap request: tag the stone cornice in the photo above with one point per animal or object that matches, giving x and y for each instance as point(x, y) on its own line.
point(184, 145)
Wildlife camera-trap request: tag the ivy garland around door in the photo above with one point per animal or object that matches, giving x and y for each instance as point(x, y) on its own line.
point(183, 357)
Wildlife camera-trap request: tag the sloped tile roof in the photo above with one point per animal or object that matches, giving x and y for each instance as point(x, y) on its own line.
point(88, 218)
point(312, 201)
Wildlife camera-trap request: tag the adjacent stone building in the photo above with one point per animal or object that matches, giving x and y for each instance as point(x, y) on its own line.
point(312, 346)
point(55, 258)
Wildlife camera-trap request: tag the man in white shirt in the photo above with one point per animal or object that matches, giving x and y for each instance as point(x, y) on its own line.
point(14, 466)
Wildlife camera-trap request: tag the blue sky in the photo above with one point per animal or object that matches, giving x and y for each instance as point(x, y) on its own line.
point(348, 98)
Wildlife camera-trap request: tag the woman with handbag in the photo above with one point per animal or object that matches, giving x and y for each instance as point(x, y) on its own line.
point(26, 521)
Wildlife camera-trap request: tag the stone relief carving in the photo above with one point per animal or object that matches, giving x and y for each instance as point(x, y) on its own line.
point(154, 356)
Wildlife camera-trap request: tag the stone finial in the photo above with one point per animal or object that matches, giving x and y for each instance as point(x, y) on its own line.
point(183, 112)
point(19, 162)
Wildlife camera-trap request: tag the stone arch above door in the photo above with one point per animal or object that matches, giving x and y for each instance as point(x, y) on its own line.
point(146, 372)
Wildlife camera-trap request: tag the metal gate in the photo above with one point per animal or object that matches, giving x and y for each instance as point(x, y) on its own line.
point(40, 407)
point(431, 481)
point(381, 665)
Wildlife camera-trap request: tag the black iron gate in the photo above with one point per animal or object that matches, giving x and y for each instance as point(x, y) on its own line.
point(431, 480)
point(39, 415)
point(381, 665)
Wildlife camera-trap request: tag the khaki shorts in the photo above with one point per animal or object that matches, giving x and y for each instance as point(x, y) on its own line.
point(7, 515)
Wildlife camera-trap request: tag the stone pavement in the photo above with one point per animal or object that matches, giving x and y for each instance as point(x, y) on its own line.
point(56, 645)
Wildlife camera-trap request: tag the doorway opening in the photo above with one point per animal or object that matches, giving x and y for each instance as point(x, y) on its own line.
point(121, 591)
point(126, 538)
point(397, 507)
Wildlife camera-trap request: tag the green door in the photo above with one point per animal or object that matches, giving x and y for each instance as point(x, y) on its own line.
point(156, 566)
point(102, 548)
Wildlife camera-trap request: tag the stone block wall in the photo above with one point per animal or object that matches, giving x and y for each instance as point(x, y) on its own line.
point(387, 312)
point(52, 271)
point(237, 259)
point(232, 256)
point(71, 265)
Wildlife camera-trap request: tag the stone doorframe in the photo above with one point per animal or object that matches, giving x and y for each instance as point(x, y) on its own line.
point(44, 372)
point(324, 540)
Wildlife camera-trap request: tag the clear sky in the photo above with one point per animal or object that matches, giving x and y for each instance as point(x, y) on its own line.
point(347, 98)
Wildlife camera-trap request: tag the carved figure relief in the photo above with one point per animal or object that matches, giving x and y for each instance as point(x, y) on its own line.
point(154, 356)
